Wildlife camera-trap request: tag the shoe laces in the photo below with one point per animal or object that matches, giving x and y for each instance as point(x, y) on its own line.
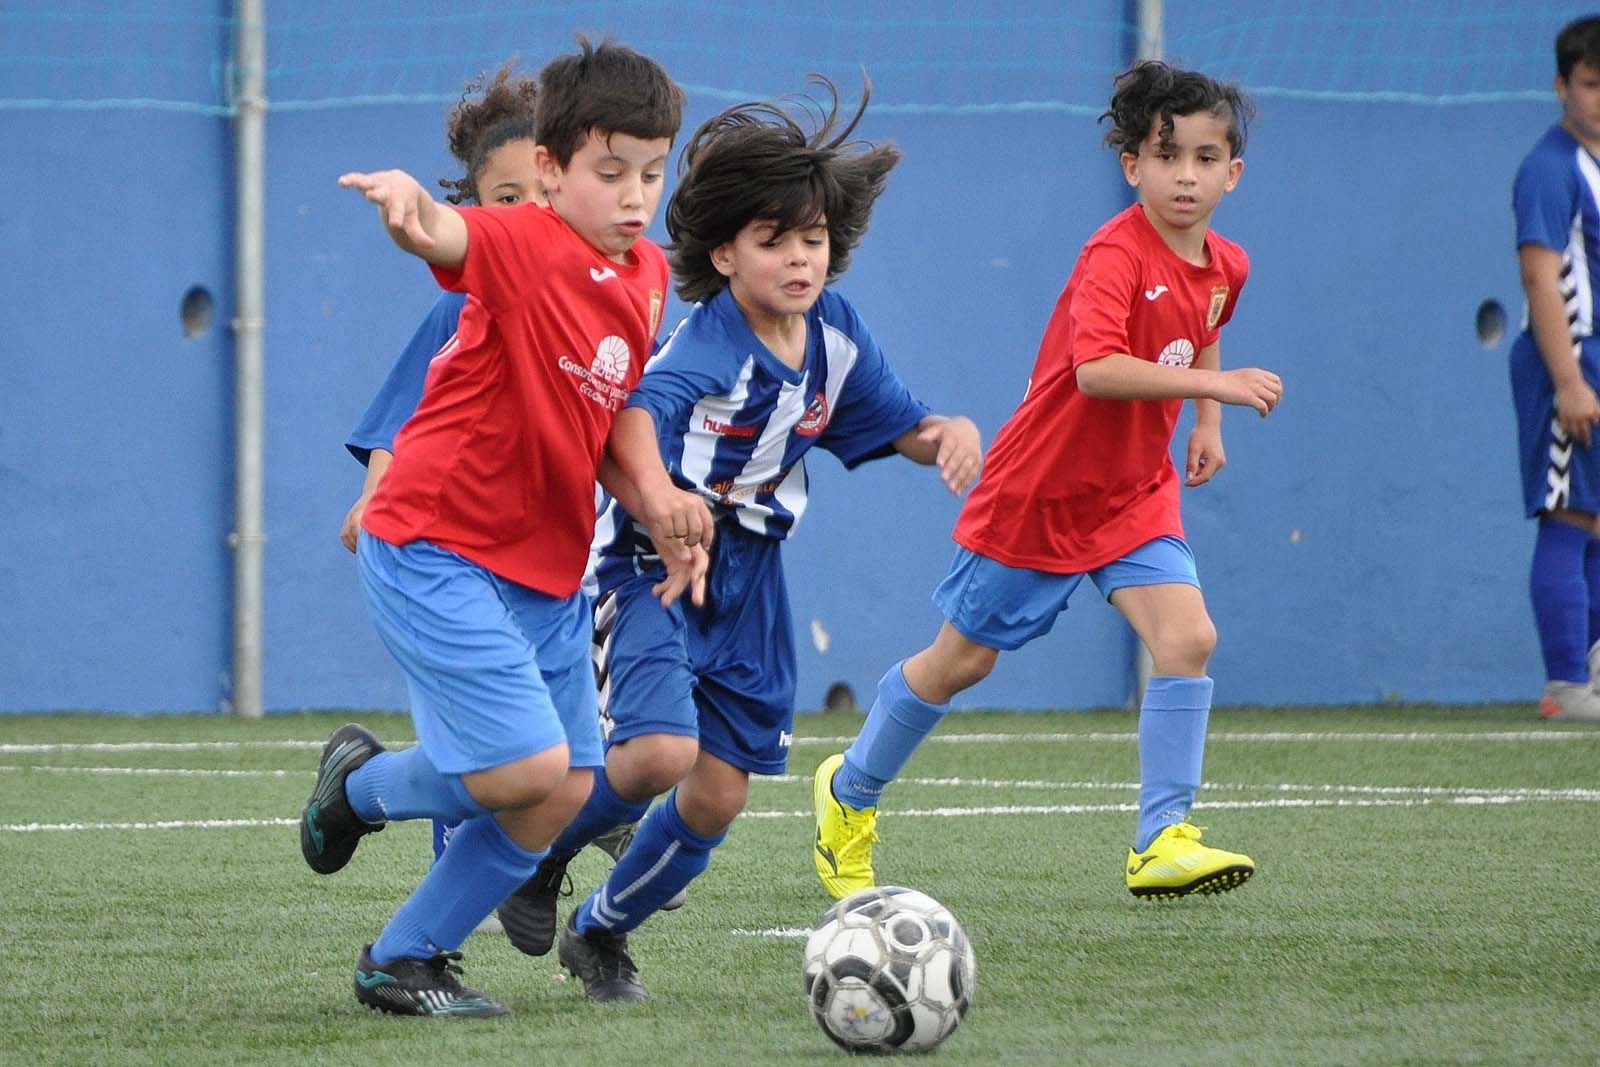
point(862, 839)
point(1188, 830)
point(445, 966)
point(613, 949)
point(558, 870)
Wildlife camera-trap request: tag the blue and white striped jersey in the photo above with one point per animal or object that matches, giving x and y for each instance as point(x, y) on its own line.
point(734, 422)
point(1556, 198)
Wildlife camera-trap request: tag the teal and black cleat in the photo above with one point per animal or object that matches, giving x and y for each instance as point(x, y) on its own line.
point(329, 827)
point(408, 986)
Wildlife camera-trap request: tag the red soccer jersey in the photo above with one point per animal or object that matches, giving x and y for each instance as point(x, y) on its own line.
point(499, 462)
point(1071, 482)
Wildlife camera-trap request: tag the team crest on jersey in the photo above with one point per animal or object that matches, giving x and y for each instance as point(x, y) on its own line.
point(1179, 353)
point(611, 360)
point(815, 420)
point(655, 311)
point(1219, 300)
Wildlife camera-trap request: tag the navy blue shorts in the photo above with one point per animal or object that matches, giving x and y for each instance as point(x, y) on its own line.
point(1004, 607)
point(723, 673)
point(1557, 473)
point(496, 671)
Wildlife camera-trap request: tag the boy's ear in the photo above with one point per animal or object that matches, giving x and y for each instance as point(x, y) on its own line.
point(549, 170)
point(1130, 161)
point(1235, 168)
point(722, 259)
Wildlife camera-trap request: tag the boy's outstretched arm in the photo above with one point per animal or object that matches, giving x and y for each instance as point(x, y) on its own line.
point(1577, 407)
point(953, 444)
point(1205, 456)
point(684, 571)
point(1121, 377)
point(678, 520)
point(415, 221)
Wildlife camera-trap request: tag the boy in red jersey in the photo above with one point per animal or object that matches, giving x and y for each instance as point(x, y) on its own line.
point(1079, 482)
point(473, 546)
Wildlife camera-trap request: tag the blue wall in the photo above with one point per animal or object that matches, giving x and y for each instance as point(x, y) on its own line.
point(1364, 544)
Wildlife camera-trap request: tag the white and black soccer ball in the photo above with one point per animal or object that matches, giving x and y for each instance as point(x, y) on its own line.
point(889, 969)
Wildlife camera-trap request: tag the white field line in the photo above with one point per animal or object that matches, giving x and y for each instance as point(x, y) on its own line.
point(1123, 737)
point(1487, 792)
point(897, 813)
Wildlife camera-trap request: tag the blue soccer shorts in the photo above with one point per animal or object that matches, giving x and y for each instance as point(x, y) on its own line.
point(1557, 472)
point(496, 671)
point(723, 673)
point(1004, 607)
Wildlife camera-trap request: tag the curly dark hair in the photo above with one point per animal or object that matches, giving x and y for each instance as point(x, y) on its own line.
point(607, 87)
point(1152, 92)
point(493, 111)
point(756, 161)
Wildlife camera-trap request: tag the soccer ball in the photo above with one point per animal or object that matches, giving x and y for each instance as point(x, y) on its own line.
point(889, 970)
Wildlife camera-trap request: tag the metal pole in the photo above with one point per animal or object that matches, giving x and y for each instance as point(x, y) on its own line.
point(248, 537)
point(1151, 46)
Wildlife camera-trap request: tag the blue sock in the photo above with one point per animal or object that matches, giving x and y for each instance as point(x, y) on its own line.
point(1560, 597)
point(1591, 578)
point(665, 856)
point(603, 811)
point(479, 870)
point(1172, 747)
point(443, 831)
point(406, 785)
point(895, 726)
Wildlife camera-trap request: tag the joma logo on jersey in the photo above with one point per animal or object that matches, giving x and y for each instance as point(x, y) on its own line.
point(815, 420)
point(727, 429)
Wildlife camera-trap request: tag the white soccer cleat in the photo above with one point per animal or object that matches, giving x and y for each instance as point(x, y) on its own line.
point(1569, 702)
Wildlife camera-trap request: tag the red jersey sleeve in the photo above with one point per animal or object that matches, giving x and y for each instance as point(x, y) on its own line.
point(1100, 307)
point(505, 254)
point(1236, 267)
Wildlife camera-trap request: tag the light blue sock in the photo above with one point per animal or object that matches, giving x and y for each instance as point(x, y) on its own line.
point(665, 856)
point(479, 870)
point(604, 810)
point(895, 726)
point(406, 785)
point(1172, 747)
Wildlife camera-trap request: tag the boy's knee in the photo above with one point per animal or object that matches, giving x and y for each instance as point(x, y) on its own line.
point(647, 766)
point(1187, 650)
point(523, 783)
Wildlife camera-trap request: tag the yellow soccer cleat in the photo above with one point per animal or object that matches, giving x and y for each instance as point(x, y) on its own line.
point(1177, 864)
point(843, 853)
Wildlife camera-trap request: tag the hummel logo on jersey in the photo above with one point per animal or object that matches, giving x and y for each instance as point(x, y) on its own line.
point(1151, 294)
point(602, 275)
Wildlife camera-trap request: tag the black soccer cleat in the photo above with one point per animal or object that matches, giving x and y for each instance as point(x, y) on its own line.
point(410, 986)
point(529, 913)
point(329, 827)
point(600, 960)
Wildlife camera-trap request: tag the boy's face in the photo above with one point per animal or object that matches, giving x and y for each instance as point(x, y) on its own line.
point(1579, 94)
point(1181, 179)
point(510, 176)
point(774, 275)
point(608, 192)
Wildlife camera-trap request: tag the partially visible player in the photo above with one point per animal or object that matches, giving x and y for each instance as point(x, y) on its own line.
point(768, 365)
point(1080, 482)
point(473, 547)
point(1555, 372)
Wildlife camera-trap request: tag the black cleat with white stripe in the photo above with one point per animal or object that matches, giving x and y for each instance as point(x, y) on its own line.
point(410, 986)
point(329, 827)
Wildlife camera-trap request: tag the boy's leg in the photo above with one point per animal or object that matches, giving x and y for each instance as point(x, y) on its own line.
point(1591, 578)
point(640, 659)
point(664, 857)
point(989, 607)
point(490, 740)
point(1167, 858)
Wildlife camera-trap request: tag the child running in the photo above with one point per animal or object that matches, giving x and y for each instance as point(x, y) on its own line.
point(473, 547)
point(1080, 482)
point(768, 364)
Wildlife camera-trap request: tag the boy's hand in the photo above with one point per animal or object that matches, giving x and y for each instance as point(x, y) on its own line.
point(1206, 457)
point(678, 521)
point(401, 201)
point(684, 572)
point(959, 454)
point(1578, 409)
point(1249, 387)
point(350, 532)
